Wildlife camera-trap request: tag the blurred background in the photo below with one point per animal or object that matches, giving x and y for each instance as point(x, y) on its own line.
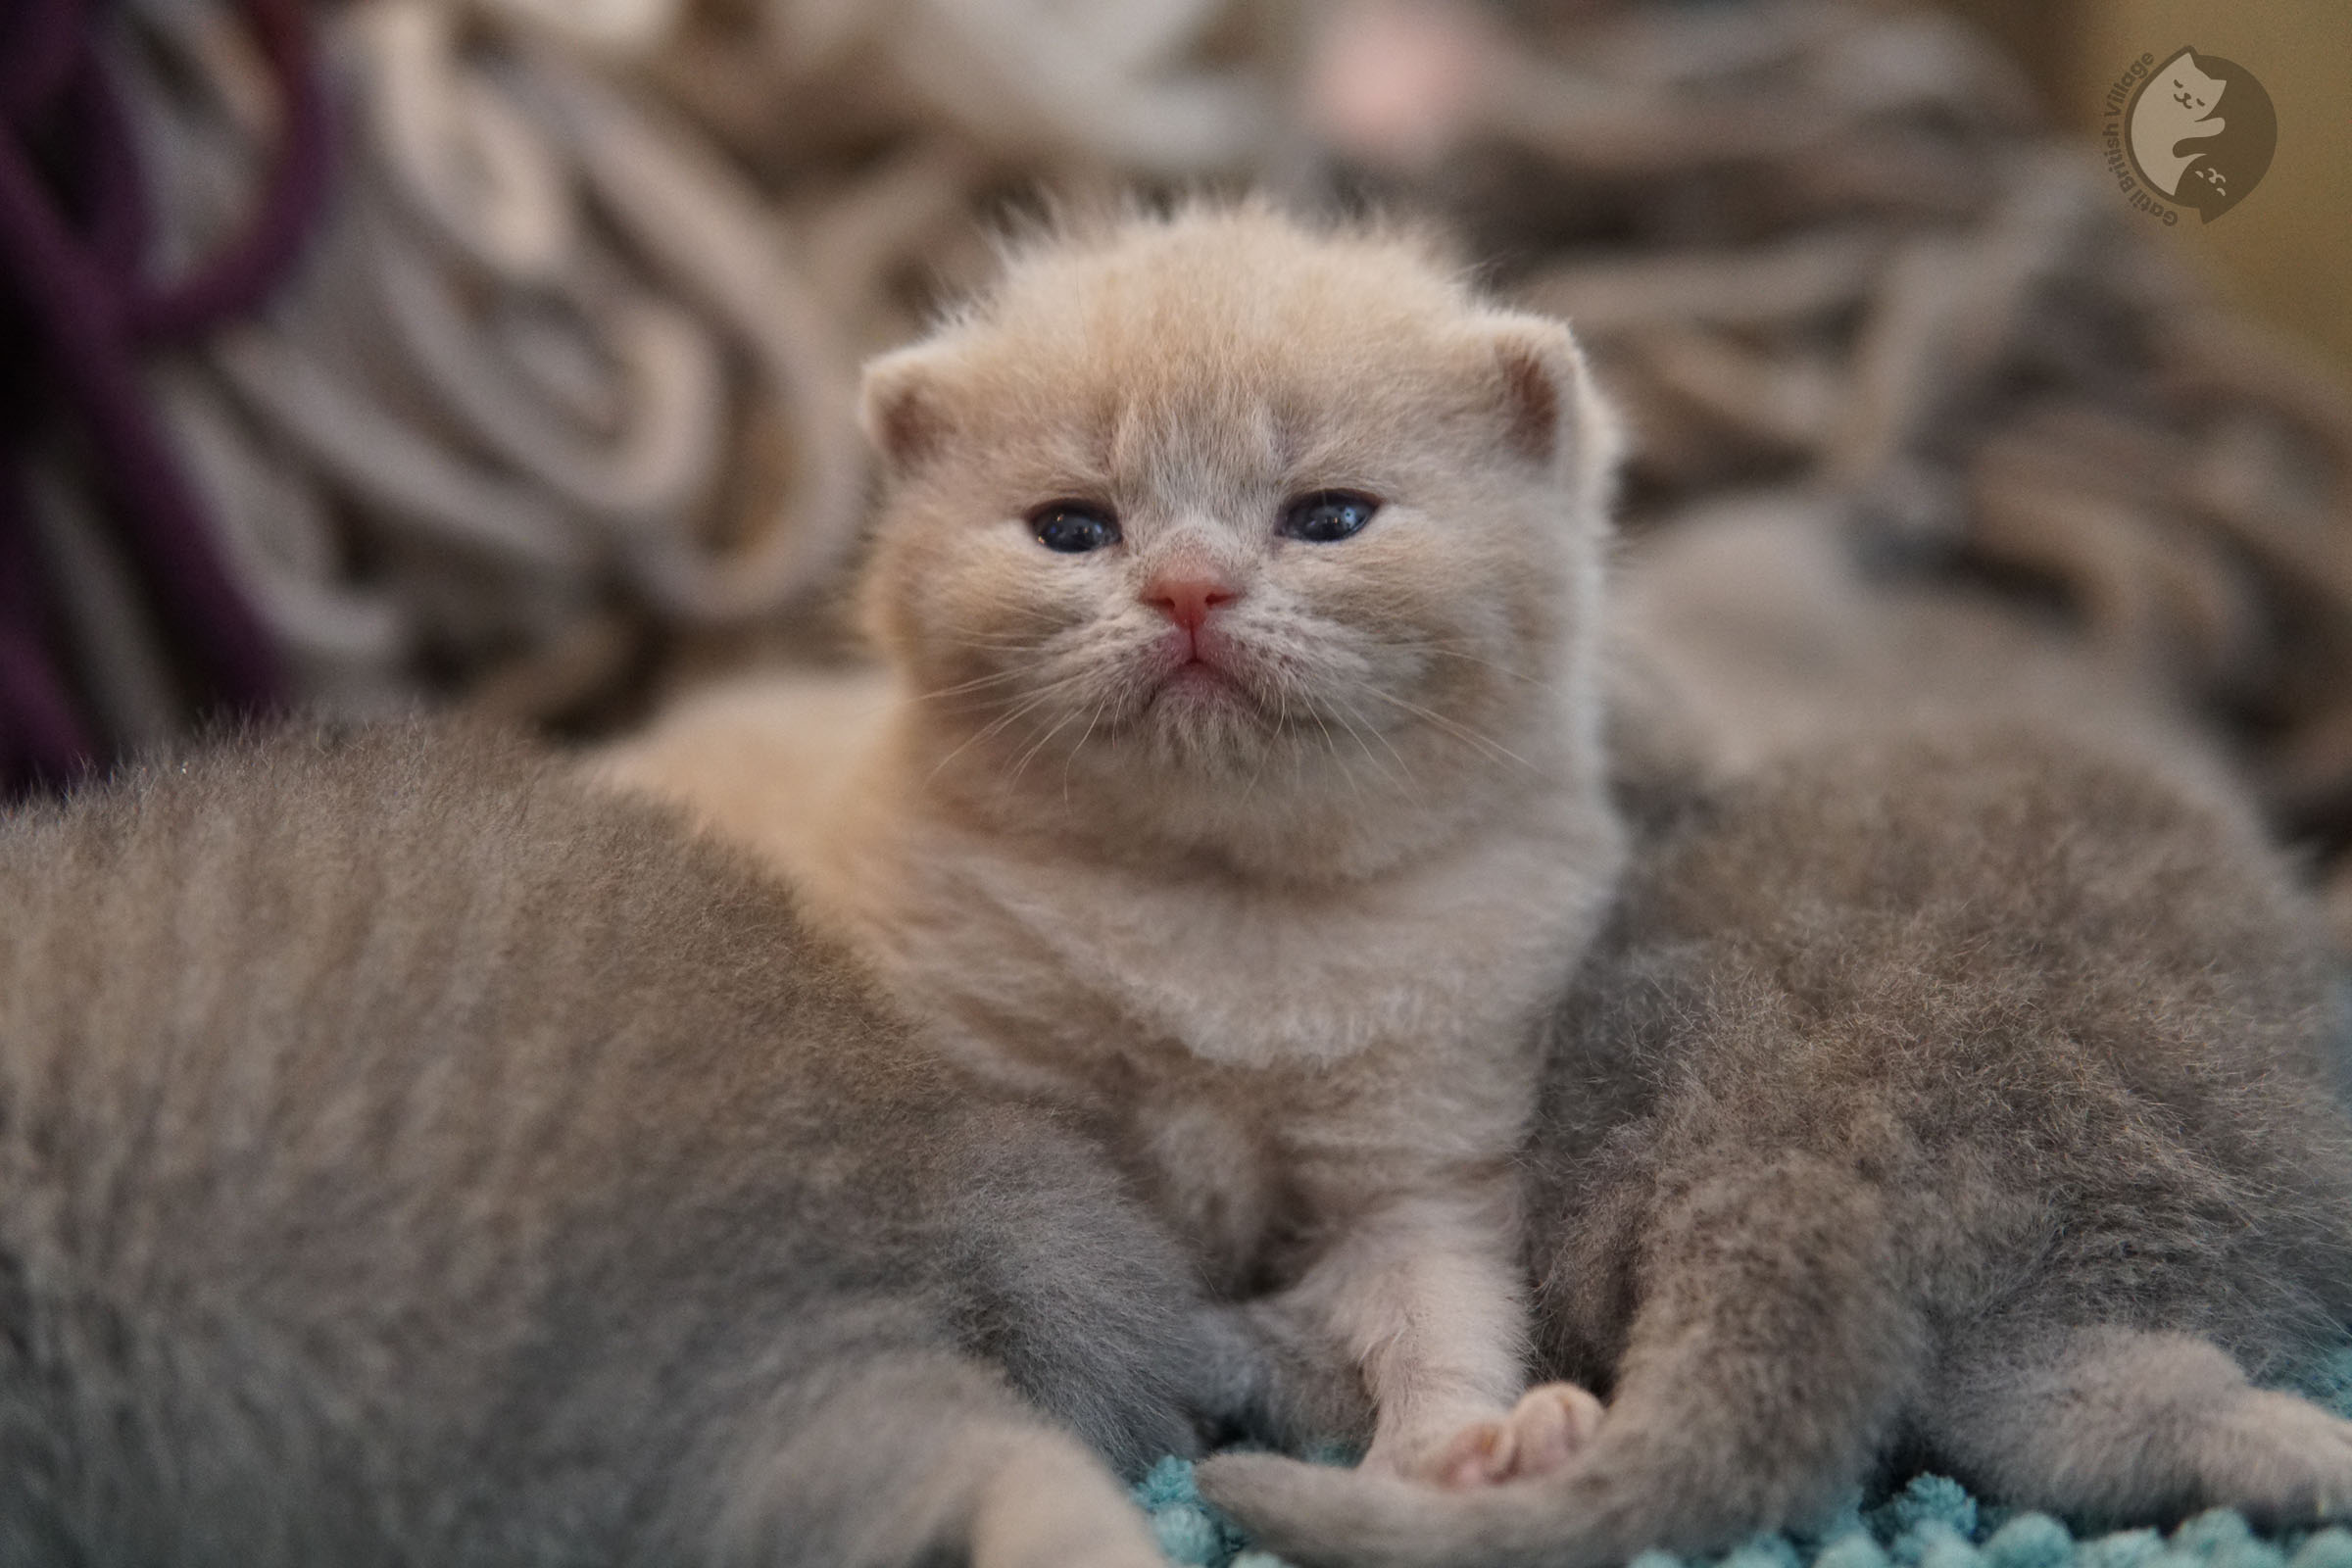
point(2279, 259)
point(501, 353)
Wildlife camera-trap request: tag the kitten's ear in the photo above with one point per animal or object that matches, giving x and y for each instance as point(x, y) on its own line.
point(1552, 415)
point(901, 409)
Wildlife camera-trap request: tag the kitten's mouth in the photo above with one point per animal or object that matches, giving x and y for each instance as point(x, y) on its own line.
point(1197, 677)
point(1197, 671)
point(1209, 690)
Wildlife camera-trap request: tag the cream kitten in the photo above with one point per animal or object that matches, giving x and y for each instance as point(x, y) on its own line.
point(1235, 779)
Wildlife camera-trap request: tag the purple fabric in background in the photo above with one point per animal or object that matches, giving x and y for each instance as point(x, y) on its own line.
point(75, 311)
point(42, 738)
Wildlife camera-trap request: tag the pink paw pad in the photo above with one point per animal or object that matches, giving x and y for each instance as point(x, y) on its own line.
point(1546, 1430)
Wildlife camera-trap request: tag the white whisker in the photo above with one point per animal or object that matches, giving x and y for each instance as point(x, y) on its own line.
point(1403, 777)
point(1463, 732)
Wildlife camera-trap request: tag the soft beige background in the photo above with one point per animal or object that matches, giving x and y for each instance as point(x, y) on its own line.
point(2285, 251)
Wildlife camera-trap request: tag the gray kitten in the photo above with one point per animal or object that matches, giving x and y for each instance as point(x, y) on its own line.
point(408, 1156)
point(1954, 1099)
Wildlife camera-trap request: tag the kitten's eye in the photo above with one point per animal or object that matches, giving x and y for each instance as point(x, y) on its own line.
point(1327, 515)
point(1073, 528)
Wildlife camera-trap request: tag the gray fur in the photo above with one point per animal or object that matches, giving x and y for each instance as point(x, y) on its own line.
point(409, 1156)
point(1953, 1098)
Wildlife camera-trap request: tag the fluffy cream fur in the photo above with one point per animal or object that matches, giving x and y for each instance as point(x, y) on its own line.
point(1276, 899)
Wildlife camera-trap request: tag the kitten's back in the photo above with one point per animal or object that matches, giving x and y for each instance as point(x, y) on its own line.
point(2047, 976)
point(409, 1156)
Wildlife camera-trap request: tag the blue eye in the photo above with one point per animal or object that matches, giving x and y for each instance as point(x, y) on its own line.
point(1073, 528)
point(1327, 515)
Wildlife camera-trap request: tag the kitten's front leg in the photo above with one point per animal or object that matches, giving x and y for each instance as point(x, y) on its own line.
point(1423, 1295)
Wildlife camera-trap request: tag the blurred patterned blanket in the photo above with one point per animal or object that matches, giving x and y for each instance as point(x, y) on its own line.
point(554, 405)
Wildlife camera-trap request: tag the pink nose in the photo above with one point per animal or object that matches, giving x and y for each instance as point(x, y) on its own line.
point(1188, 595)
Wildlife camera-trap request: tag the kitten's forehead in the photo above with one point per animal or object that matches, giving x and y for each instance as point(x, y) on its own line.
point(1227, 277)
point(1216, 338)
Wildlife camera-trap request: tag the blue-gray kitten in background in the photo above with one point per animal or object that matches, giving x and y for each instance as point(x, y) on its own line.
point(409, 1157)
point(1947, 1095)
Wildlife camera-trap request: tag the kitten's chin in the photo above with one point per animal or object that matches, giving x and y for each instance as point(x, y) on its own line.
point(1206, 720)
point(1198, 689)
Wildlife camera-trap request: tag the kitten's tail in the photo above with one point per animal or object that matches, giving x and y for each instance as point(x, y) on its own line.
point(1775, 1341)
point(921, 1458)
point(1632, 1491)
point(1325, 1518)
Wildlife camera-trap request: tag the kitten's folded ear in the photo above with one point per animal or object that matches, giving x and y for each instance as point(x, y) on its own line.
point(900, 408)
point(1552, 414)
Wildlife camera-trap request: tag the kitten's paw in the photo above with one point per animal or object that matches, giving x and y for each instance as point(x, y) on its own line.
point(1550, 1426)
point(2281, 1461)
point(1555, 1422)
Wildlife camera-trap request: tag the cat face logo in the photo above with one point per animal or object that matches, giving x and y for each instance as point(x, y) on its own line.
point(2201, 131)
